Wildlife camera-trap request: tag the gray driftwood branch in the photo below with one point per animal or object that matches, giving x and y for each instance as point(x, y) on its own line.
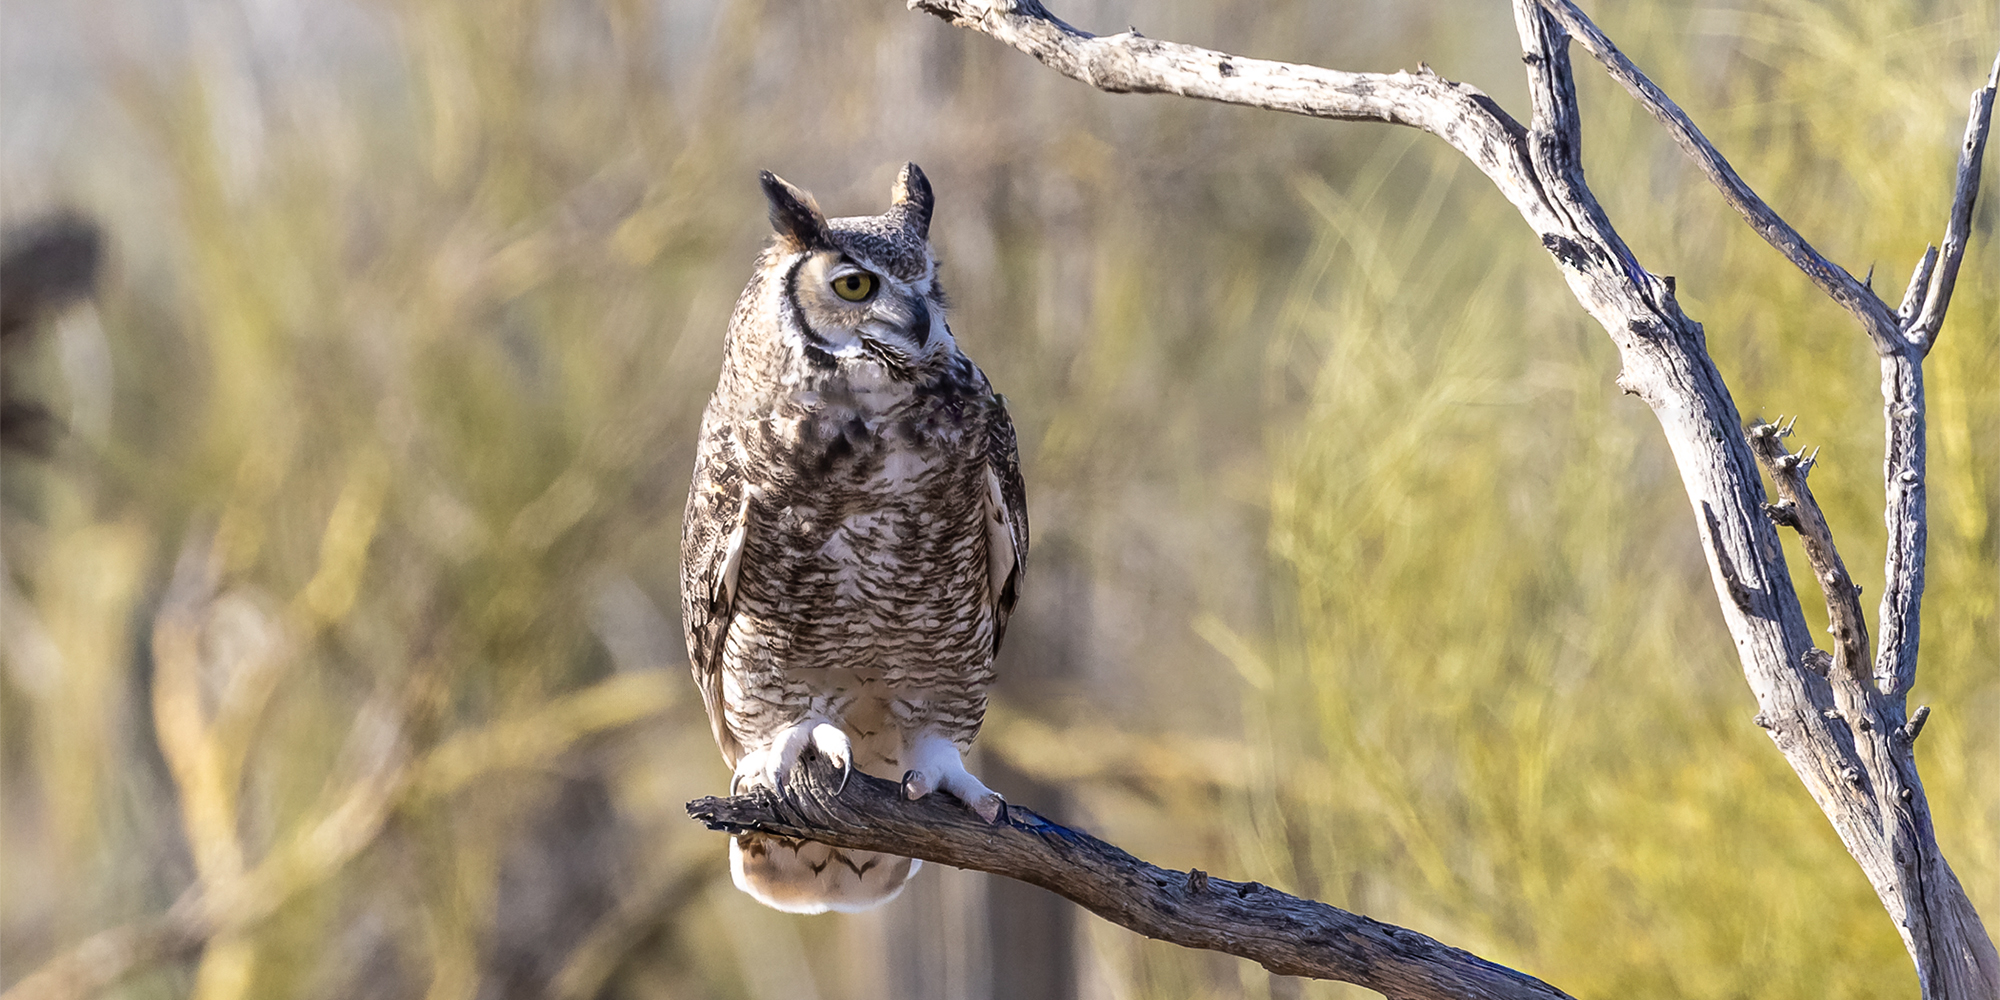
point(1844, 731)
point(1286, 934)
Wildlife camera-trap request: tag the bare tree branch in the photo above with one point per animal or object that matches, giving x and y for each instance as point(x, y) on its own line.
point(1902, 338)
point(1920, 278)
point(1903, 479)
point(1922, 315)
point(1832, 279)
point(1286, 934)
point(1130, 63)
point(1799, 511)
point(1904, 459)
point(1848, 740)
point(1958, 228)
point(1920, 889)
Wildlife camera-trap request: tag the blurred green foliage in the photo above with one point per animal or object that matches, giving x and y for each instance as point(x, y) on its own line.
point(353, 580)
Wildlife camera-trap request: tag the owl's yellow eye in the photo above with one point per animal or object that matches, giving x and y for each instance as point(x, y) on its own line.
point(855, 286)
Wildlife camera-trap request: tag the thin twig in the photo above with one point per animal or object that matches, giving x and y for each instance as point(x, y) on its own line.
point(1286, 934)
point(1958, 229)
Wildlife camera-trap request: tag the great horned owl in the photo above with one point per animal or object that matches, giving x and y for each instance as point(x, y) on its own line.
point(855, 534)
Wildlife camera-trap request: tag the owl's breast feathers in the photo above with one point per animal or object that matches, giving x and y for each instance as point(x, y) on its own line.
point(845, 523)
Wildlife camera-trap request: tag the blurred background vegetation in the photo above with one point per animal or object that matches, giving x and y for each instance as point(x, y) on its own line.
point(348, 589)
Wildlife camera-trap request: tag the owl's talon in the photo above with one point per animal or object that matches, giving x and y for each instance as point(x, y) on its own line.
point(990, 807)
point(916, 785)
point(832, 743)
point(773, 765)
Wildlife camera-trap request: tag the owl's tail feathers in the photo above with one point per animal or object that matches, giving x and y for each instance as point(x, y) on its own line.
point(805, 876)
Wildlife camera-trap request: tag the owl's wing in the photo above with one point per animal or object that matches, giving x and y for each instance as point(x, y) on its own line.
point(712, 533)
point(1006, 517)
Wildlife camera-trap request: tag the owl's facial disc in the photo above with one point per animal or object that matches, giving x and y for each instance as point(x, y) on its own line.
point(854, 309)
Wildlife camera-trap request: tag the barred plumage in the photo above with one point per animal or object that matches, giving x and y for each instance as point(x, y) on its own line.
point(855, 533)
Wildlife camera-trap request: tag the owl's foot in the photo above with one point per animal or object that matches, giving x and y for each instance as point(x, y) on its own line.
point(772, 766)
point(938, 765)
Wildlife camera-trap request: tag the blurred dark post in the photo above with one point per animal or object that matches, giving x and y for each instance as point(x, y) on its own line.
point(1032, 931)
point(930, 943)
point(958, 935)
point(45, 265)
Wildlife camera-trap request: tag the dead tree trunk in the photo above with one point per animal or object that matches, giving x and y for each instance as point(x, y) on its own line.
point(1839, 719)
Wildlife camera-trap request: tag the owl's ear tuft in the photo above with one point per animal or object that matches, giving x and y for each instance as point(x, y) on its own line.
point(912, 198)
point(794, 214)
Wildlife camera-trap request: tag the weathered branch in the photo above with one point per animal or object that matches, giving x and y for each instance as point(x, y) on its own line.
point(1903, 337)
point(1286, 934)
point(1903, 462)
point(1923, 327)
point(1842, 287)
point(1904, 458)
point(1920, 278)
point(1130, 63)
point(1846, 739)
point(1798, 510)
point(1918, 886)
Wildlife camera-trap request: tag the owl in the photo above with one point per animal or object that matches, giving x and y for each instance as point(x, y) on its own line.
point(855, 534)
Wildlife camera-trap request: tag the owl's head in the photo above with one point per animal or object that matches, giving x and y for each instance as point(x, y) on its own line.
point(863, 287)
